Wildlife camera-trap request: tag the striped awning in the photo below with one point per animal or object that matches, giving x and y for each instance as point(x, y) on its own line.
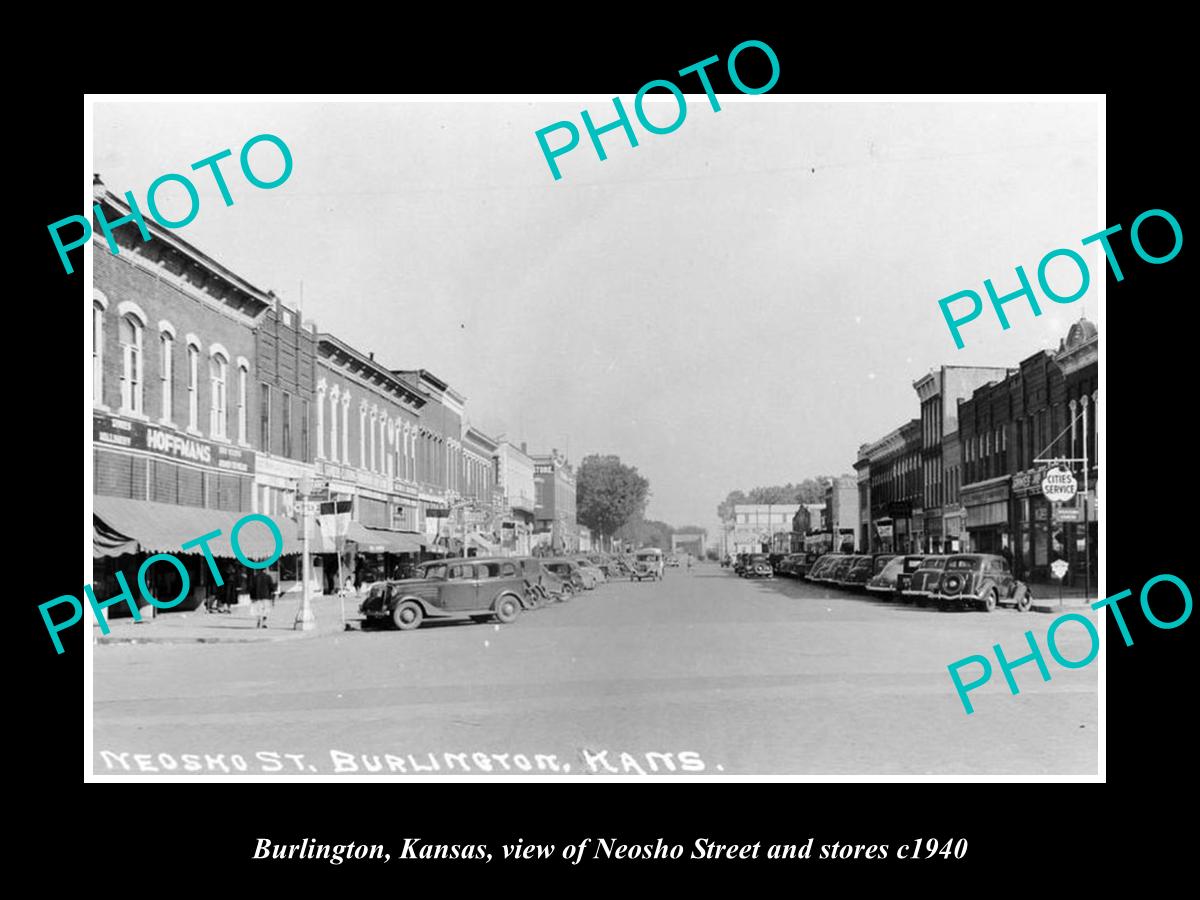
point(121, 525)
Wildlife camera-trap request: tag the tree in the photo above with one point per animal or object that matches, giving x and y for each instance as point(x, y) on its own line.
point(608, 493)
point(640, 532)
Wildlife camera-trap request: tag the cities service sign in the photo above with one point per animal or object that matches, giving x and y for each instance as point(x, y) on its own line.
point(1059, 485)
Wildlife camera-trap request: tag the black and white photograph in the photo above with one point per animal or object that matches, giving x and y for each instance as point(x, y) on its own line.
point(684, 436)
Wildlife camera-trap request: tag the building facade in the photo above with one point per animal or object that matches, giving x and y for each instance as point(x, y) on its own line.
point(939, 392)
point(754, 526)
point(514, 476)
point(893, 467)
point(554, 503)
point(173, 407)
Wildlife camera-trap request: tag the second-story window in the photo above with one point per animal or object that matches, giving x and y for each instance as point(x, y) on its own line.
point(243, 378)
point(167, 343)
point(131, 365)
point(285, 418)
point(218, 370)
point(264, 418)
point(97, 352)
point(193, 387)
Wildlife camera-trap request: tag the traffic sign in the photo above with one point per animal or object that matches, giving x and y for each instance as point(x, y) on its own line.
point(1059, 485)
point(1058, 568)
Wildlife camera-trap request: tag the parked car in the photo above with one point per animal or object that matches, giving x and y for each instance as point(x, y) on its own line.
point(740, 563)
point(727, 561)
point(758, 565)
point(982, 580)
point(673, 562)
point(568, 571)
point(542, 585)
point(837, 572)
point(885, 583)
point(647, 564)
point(821, 567)
point(861, 570)
point(923, 581)
point(588, 566)
point(474, 588)
point(791, 565)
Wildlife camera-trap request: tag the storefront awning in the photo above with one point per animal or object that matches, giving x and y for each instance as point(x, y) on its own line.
point(384, 540)
point(121, 525)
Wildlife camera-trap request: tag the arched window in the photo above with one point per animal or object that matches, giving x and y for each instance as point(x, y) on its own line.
point(193, 386)
point(362, 434)
point(166, 340)
point(99, 305)
point(218, 368)
point(346, 427)
point(131, 365)
point(243, 379)
point(334, 400)
point(321, 419)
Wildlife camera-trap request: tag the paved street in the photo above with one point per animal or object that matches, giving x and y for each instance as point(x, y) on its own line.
point(771, 678)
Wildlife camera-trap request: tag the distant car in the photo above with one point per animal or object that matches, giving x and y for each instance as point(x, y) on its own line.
point(648, 564)
point(740, 563)
point(474, 588)
point(568, 571)
point(981, 580)
point(758, 566)
point(858, 573)
point(923, 580)
point(885, 583)
point(673, 562)
point(588, 566)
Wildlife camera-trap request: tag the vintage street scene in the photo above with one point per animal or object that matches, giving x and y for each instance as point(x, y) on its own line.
point(408, 459)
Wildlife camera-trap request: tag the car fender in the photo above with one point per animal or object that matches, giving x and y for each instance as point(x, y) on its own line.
point(426, 609)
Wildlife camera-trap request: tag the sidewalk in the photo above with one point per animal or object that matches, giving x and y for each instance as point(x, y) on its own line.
point(1045, 597)
point(236, 627)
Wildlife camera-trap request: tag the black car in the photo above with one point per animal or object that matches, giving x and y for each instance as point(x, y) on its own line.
point(757, 565)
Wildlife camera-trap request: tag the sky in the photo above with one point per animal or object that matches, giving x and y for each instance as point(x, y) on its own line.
point(741, 302)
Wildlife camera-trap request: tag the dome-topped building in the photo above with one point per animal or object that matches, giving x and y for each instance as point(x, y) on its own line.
point(1080, 347)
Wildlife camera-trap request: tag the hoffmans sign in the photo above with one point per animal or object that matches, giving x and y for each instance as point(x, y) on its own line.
point(116, 431)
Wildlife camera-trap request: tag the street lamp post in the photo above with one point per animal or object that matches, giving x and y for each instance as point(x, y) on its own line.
point(305, 620)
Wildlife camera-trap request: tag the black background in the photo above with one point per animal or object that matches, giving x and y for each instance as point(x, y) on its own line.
point(158, 835)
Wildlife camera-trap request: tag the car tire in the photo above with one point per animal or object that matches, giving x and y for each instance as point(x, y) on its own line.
point(507, 608)
point(408, 615)
point(566, 593)
point(989, 600)
point(1025, 601)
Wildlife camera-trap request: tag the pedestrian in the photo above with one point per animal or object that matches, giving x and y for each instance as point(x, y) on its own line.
point(689, 556)
point(262, 589)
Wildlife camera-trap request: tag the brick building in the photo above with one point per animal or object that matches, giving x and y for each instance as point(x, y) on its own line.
point(554, 502)
point(514, 477)
point(438, 452)
point(173, 404)
point(1004, 429)
point(367, 448)
point(892, 466)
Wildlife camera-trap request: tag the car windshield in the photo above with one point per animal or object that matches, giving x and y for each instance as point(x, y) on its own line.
point(882, 561)
point(892, 568)
point(963, 564)
point(913, 563)
point(758, 557)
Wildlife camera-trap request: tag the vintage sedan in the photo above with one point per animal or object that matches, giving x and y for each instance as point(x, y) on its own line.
point(863, 569)
point(588, 566)
point(568, 571)
point(541, 585)
point(791, 565)
point(981, 580)
point(923, 581)
point(758, 565)
point(836, 573)
point(886, 582)
point(821, 567)
point(478, 588)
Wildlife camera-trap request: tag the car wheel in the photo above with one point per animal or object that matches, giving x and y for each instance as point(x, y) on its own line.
point(989, 600)
point(566, 593)
point(508, 607)
point(408, 615)
point(1025, 601)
